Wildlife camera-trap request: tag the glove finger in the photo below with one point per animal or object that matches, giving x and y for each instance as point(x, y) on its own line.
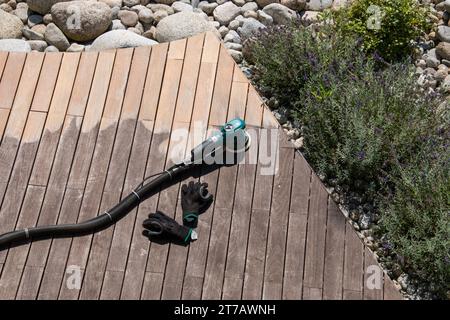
point(204, 185)
point(191, 185)
point(184, 188)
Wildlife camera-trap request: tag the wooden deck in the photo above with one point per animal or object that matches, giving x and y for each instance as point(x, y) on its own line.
point(79, 131)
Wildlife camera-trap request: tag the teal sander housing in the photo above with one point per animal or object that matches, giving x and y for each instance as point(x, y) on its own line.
point(231, 138)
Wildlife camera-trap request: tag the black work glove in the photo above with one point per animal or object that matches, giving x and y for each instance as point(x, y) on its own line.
point(195, 199)
point(161, 226)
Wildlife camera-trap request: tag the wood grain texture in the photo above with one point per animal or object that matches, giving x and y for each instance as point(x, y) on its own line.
point(80, 131)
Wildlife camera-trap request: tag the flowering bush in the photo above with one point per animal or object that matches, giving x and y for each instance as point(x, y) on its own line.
point(370, 132)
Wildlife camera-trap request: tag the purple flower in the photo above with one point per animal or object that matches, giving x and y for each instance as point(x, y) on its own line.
point(361, 155)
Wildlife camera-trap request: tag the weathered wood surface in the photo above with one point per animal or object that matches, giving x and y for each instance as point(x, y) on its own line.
point(79, 131)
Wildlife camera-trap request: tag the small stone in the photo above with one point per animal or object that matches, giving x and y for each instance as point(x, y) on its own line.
point(55, 37)
point(264, 18)
point(250, 6)
point(51, 49)
point(233, 46)
point(117, 25)
point(207, 7)
point(239, 3)
point(250, 14)
point(39, 28)
point(318, 5)
point(298, 143)
point(22, 14)
point(119, 39)
point(32, 35)
point(232, 36)
point(297, 5)
point(421, 63)
point(131, 3)
point(159, 15)
point(135, 30)
point(250, 28)
point(236, 55)
point(443, 33)
point(280, 13)
point(234, 25)
point(446, 5)
point(146, 16)
point(180, 6)
point(223, 31)
point(113, 3)
point(34, 19)
point(440, 75)
point(75, 47)
point(157, 7)
point(226, 12)
point(47, 19)
point(263, 3)
point(365, 222)
point(354, 215)
point(128, 18)
point(293, 134)
point(10, 26)
point(38, 45)
point(150, 33)
point(310, 17)
point(443, 50)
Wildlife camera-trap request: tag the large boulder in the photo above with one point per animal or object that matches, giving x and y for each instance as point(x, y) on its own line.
point(297, 5)
point(280, 14)
point(10, 26)
point(43, 6)
point(82, 20)
point(16, 45)
point(182, 25)
point(225, 13)
point(119, 39)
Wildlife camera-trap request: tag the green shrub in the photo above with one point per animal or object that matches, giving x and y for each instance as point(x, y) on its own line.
point(387, 29)
point(417, 221)
point(369, 132)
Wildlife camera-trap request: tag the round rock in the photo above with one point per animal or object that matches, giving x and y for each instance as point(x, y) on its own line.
point(280, 14)
point(10, 26)
point(119, 39)
point(182, 25)
point(55, 37)
point(43, 6)
point(226, 12)
point(128, 18)
point(93, 19)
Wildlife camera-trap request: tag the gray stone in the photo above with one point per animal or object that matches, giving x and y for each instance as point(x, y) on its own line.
point(112, 3)
point(297, 5)
point(443, 51)
point(250, 6)
point(232, 36)
point(157, 7)
point(431, 59)
point(263, 3)
point(128, 18)
point(14, 45)
point(250, 14)
point(10, 26)
point(207, 7)
point(131, 3)
point(226, 12)
point(22, 14)
point(146, 16)
point(446, 5)
point(239, 3)
point(180, 6)
point(182, 25)
point(318, 5)
point(38, 45)
point(47, 18)
point(43, 6)
point(135, 30)
point(250, 27)
point(51, 49)
point(117, 25)
point(94, 18)
point(233, 46)
point(55, 37)
point(310, 17)
point(234, 25)
point(75, 47)
point(119, 39)
point(159, 15)
point(167, 2)
point(280, 13)
point(265, 18)
point(39, 28)
point(223, 31)
point(298, 143)
point(34, 19)
point(32, 35)
point(236, 55)
point(443, 33)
